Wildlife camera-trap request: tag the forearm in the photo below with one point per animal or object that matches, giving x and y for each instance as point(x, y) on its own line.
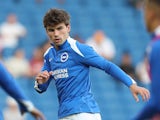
point(117, 73)
point(8, 83)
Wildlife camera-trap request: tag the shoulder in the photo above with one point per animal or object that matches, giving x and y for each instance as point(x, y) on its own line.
point(47, 51)
point(83, 47)
point(77, 47)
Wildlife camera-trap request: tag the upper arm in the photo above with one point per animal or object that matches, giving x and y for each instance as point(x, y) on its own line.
point(91, 58)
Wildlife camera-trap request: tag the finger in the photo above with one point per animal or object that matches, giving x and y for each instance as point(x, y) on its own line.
point(43, 76)
point(46, 73)
point(41, 117)
point(136, 97)
point(147, 94)
point(38, 115)
point(39, 78)
point(143, 94)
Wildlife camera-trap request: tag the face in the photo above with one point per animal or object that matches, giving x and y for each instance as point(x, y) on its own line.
point(147, 16)
point(58, 34)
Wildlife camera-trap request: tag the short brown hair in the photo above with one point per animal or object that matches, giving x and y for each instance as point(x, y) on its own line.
point(157, 2)
point(56, 16)
point(155, 6)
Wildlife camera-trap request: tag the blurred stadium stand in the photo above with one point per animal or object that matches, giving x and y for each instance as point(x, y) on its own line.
point(120, 21)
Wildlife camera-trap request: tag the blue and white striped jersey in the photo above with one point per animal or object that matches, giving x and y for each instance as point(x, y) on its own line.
point(70, 71)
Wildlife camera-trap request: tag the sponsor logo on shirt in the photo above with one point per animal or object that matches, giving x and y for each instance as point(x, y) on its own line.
point(60, 73)
point(64, 57)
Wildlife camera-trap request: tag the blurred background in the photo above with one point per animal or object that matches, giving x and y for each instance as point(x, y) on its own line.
point(120, 22)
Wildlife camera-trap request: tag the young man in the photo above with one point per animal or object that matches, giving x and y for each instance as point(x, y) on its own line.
point(8, 83)
point(152, 19)
point(67, 62)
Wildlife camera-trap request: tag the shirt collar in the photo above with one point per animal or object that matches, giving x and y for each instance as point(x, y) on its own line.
point(64, 45)
point(157, 31)
point(156, 34)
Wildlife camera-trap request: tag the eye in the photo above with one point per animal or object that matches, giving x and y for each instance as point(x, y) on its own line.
point(50, 30)
point(60, 28)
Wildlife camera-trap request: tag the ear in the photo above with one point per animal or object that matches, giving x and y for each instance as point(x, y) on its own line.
point(68, 28)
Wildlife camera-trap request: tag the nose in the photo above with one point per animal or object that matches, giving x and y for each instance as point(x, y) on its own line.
point(56, 32)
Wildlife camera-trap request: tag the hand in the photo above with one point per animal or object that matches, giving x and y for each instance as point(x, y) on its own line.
point(37, 114)
point(136, 90)
point(42, 77)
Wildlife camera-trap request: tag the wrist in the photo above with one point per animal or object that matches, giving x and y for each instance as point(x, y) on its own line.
point(36, 86)
point(132, 85)
point(29, 106)
point(133, 82)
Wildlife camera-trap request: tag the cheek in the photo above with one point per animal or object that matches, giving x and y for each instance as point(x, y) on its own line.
point(49, 34)
point(64, 33)
point(146, 17)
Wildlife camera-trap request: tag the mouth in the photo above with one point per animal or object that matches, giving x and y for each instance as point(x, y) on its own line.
point(57, 40)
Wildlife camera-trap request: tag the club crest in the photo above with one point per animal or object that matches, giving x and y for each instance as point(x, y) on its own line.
point(64, 57)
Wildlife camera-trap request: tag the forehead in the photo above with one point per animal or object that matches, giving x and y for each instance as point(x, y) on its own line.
point(57, 26)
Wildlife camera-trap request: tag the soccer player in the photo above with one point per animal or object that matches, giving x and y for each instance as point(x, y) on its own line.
point(67, 62)
point(152, 20)
point(8, 83)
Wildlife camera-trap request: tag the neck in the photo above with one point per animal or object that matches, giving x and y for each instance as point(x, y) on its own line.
point(155, 24)
point(57, 47)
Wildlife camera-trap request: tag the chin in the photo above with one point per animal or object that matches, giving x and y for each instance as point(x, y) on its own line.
point(58, 44)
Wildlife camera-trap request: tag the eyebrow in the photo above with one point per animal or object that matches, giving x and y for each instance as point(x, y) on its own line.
point(60, 27)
